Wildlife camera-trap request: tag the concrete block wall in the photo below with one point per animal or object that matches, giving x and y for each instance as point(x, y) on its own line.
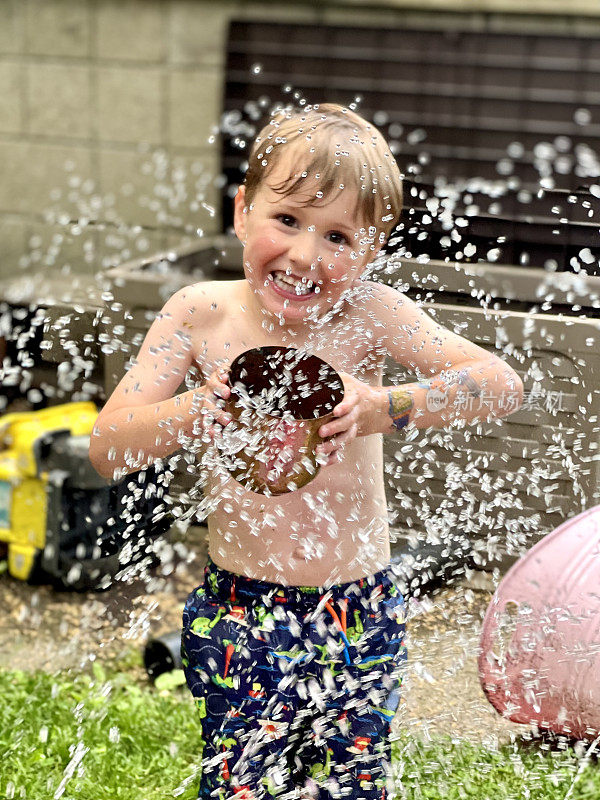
point(107, 109)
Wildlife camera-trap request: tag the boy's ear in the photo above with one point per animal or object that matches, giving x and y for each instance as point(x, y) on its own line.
point(239, 218)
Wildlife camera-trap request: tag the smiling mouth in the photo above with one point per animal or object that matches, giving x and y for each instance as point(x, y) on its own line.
point(292, 288)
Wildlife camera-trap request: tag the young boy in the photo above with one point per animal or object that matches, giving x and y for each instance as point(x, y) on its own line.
point(293, 643)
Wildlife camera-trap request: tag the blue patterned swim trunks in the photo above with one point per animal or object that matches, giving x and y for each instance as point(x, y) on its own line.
point(296, 686)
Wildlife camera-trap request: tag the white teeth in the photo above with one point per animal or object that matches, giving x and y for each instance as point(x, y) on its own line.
point(287, 282)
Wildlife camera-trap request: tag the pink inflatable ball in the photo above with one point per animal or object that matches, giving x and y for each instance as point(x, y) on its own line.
point(539, 657)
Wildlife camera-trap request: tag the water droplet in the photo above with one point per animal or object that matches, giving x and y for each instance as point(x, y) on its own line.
point(582, 116)
point(515, 150)
point(416, 136)
point(505, 166)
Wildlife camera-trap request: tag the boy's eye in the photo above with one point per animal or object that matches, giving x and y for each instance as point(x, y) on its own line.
point(337, 238)
point(286, 219)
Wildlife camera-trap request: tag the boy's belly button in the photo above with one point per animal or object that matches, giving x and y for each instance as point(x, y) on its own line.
point(308, 551)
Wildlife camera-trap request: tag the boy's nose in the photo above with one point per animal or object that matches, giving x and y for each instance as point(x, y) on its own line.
point(303, 250)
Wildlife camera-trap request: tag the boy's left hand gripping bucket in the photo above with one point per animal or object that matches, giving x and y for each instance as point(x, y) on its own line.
point(539, 658)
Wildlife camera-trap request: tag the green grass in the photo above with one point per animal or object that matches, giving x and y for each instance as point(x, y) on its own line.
point(455, 770)
point(110, 737)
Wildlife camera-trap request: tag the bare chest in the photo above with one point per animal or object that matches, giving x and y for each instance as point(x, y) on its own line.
point(309, 535)
point(349, 344)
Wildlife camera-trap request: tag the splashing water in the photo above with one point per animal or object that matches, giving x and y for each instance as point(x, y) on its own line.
point(472, 491)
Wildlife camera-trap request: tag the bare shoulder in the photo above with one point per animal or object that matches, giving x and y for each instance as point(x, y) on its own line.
point(391, 306)
point(195, 301)
point(397, 322)
point(381, 294)
point(197, 295)
point(380, 306)
point(208, 309)
point(413, 337)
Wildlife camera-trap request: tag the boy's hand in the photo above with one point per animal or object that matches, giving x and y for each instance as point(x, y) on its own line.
point(215, 392)
point(352, 417)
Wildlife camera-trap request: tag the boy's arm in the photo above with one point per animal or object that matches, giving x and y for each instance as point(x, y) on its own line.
point(466, 382)
point(142, 421)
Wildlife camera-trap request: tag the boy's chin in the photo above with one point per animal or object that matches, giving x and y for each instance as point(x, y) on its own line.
point(291, 309)
point(296, 315)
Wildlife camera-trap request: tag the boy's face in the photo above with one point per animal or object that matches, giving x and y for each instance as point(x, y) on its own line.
point(318, 247)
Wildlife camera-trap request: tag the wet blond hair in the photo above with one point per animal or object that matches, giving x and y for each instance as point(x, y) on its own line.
point(334, 148)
